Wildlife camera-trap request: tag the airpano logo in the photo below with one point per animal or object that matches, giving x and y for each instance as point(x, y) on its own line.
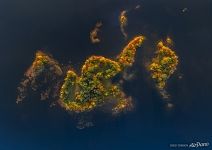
point(193, 145)
point(198, 144)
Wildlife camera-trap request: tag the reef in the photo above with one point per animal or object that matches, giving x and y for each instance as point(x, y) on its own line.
point(123, 22)
point(43, 69)
point(92, 89)
point(99, 84)
point(163, 65)
point(94, 33)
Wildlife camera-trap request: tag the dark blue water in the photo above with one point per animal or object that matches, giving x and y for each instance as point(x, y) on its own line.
point(62, 29)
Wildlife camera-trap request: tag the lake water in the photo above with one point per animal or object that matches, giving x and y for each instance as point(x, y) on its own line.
point(62, 28)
